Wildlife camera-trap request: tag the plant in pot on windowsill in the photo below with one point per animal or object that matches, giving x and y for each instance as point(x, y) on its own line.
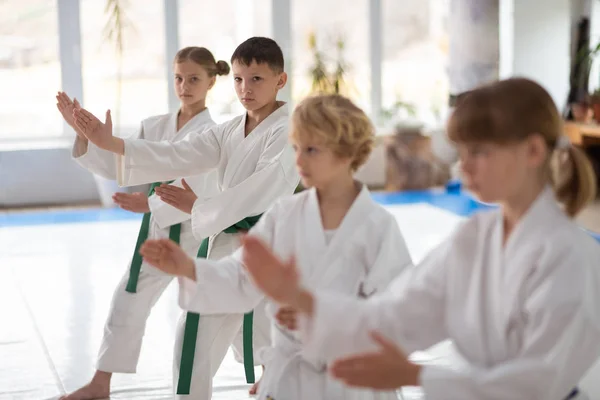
point(327, 76)
point(595, 104)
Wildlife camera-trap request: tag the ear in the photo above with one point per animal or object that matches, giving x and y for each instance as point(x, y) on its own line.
point(282, 80)
point(213, 80)
point(537, 150)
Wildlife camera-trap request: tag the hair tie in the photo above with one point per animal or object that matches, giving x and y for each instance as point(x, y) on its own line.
point(562, 143)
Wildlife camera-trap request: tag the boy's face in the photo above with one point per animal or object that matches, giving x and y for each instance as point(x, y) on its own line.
point(256, 85)
point(316, 163)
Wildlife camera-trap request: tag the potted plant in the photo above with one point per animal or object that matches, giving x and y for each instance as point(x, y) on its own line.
point(595, 104)
point(328, 76)
point(324, 81)
point(114, 32)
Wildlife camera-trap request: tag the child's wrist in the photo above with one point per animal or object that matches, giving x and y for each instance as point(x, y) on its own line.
point(113, 144)
point(117, 145)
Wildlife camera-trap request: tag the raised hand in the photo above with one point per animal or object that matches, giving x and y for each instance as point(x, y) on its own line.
point(167, 256)
point(66, 107)
point(92, 128)
point(287, 316)
point(180, 198)
point(278, 280)
point(134, 202)
point(386, 369)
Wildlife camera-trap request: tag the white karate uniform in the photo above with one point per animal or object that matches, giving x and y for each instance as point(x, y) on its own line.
point(252, 172)
point(359, 258)
point(525, 316)
point(124, 329)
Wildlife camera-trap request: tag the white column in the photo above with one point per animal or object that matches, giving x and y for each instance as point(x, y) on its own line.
point(474, 56)
point(474, 43)
point(171, 10)
point(507, 38)
point(70, 51)
point(541, 44)
point(244, 20)
point(282, 33)
point(376, 55)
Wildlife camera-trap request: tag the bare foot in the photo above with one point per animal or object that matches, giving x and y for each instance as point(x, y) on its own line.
point(98, 388)
point(254, 389)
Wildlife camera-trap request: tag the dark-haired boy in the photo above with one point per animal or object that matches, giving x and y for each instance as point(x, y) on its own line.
point(255, 165)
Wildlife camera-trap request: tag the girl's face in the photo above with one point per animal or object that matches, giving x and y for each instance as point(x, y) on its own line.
point(192, 82)
point(317, 165)
point(499, 173)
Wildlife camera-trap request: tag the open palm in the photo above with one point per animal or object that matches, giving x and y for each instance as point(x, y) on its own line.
point(167, 256)
point(384, 369)
point(134, 202)
point(98, 132)
point(181, 198)
point(66, 106)
point(277, 279)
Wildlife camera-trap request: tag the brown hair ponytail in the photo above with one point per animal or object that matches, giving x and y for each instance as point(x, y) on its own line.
point(573, 178)
point(510, 111)
point(203, 57)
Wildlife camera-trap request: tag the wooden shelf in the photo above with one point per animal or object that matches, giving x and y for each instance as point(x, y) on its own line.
point(582, 134)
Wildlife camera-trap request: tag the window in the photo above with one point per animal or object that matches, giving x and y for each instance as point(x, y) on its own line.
point(29, 69)
point(221, 26)
point(136, 88)
point(331, 21)
point(415, 53)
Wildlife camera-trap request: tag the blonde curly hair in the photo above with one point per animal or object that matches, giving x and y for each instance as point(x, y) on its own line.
point(338, 124)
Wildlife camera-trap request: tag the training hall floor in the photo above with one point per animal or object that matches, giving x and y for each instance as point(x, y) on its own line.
point(58, 270)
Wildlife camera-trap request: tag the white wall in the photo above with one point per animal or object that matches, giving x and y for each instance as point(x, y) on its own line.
point(44, 177)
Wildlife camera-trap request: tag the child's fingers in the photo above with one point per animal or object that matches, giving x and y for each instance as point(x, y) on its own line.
point(150, 254)
point(151, 249)
point(121, 197)
point(169, 189)
point(169, 196)
point(123, 202)
point(125, 207)
point(88, 115)
point(81, 124)
point(185, 185)
point(170, 202)
point(170, 245)
point(63, 99)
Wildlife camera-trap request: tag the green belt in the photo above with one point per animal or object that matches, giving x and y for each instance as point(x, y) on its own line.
point(136, 262)
point(192, 320)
